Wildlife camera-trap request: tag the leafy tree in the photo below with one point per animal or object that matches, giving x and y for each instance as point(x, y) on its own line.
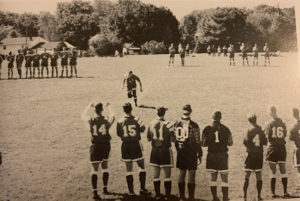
point(27, 24)
point(105, 45)
point(154, 47)
point(48, 27)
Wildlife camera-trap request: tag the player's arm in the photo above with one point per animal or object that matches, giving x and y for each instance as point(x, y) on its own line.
point(149, 134)
point(264, 139)
point(230, 140)
point(139, 81)
point(119, 129)
point(124, 81)
point(204, 137)
point(110, 117)
point(246, 139)
point(91, 127)
point(198, 143)
point(141, 124)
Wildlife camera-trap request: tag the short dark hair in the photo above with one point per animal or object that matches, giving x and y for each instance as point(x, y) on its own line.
point(99, 108)
point(161, 111)
point(127, 108)
point(217, 116)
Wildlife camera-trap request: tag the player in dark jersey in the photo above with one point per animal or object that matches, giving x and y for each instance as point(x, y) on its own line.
point(267, 54)
point(295, 137)
point(189, 151)
point(130, 80)
point(243, 49)
point(10, 64)
point(45, 57)
point(231, 55)
point(100, 148)
point(53, 63)
point(161, 157)
point(276, 154)
point(187, 50)
point(2, 58)
point(129, 129)
point(217, 138)
point(225, 51)
point(181, 52)
point(64, 55)
point(28, 60)
point(255, 55)
point(73, 62)
point(19, 62)
point(254, 141)
point(36, 63)
point(171, 54)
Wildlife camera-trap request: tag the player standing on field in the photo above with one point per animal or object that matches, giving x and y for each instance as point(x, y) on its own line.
point(160, 135)
point(231, 55)
point(53, 59)
point(255, 55)
point(219, 50)
point(276, 154)
point(217, 138)
point(45, 57)
point(129, 129)
point(188, 146)
point(10, 64)
point(209, 50)
point(181, 52)
point(28, 60)
point(19, 62)
point(254, 141)
point(73, 62)
point(171, 54)
point(295, 136)
point(187, 50)
point(225, 51)
point(36, 63)
point(130, 79)
point(2, 58)
point(100, 148)
point(64, 62)
point(267, 54)
point(243, 49)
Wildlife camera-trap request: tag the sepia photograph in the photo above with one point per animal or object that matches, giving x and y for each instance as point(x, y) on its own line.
point(144, 100)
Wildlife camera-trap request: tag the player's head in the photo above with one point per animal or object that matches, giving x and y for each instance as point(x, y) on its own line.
point(187, 110)
point(127, 108)
point(217, 116)
point(252, 118)
point(28, 52)
point(296, 113)
point(9, 53)
point(99, 108)
point(161, 111)
point(19, 51)
point(273, 112)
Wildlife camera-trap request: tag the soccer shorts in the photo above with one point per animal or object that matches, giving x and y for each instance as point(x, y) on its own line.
point(35, 65)
point(44, 64)
point(99, 152)
point(254, 161)
point(231, 55)
point(276, 154)
point(73, 63)
point(64, 62)
point(297, 158)
point(186, 159)
point(27, 65)
point(217, 162)
point(244, 55)
point(255, 54)
point(161, 157)
point(172, 55)
point(19, 65)
point(267, 54)
point(10, 65)
point(131, 151)
point(131, 93)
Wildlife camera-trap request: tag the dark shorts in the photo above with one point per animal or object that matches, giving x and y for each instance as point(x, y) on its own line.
point(64, 63)
point(231, 55)
point(54, 64)
point(255, 54)
point(19, 65)
point(131, 93)
point(27, 65)
point(276, 154)
point(186, 159)
point(244, 55)
point(10, 65)
point(254, 161)
point(73, 63)
point(44, 64)
point(99, 152)
point(161, 157)
point(35, 65)
point(267, 54)
point(217, 162)
point(297, 158)
point(131, 151)
point(172, 55)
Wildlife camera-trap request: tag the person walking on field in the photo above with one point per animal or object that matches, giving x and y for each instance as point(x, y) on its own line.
point(64, 55)
point(181, 52)
point(255, 55)
point(267, 54)
point(130, 80)
point(171, 54)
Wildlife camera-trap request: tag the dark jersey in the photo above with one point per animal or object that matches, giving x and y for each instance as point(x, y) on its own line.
point(295, 134)
point(276, 132)
point(2, 57)
point(99, 128)
point(129, 129)
point(28, 60)
point(255, 139)
point(53, 59)
point(131, 81)
point(19, 58)
point(45, 57)
point(187, 135)
point(36, 60)
point(171, 51)
point(159, 133)
point(64, 58)
point(217, 137)
point(73, 58)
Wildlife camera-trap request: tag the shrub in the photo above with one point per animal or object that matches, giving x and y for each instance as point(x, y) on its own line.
point(104, 45)
point(154, 47)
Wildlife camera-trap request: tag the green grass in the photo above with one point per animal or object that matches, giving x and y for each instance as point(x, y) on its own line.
point(45, 144)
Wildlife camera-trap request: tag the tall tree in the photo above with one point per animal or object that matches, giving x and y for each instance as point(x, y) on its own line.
point(48, 26)
point(27, 24)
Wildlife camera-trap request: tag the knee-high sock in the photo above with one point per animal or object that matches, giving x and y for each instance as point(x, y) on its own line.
point(181, 187)
point(168, 186)
point(129, 179)
point(156, 183)
point(191, 189)
point(142, 176)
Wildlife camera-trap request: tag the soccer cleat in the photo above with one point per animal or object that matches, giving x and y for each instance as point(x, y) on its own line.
point(275, 196)
point(96, 196)
point(105, 192)
point(145, 192)
point(287, 196)
point(259, 199)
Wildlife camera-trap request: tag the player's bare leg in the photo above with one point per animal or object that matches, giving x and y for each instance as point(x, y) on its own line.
point(105, 176)
point(129, 177)
point(213, 185)
point(75, 70)
point(156, 181)
point(181, 184)
point(246, 183)
point(273, 178)
point(42, 71)
point(225, 187)
point(62, 71)
point(191, 184)
point(94, 178)
point(142, 177)
point(284, 179)
point(167, 182)
point(47, 71)
point(71, 69)
point(258, 185)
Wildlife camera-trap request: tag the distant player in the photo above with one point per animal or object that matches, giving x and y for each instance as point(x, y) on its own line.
point(130, 80)
point(45, 57)
point(28, 63)
point(208, 50)
point(295, 137)
point(10, 65)
point(189, 151)
point(255, 55)
point(187, 50)
point(213, 50)
point(36, 63)
point(161, 157)
point(100, 148)
point(225, 51)
point(254, 141)
point(267, 54)
point(2, 58)
point(171, 54)
point(243, 49)
point(129, 129)
point(19, 62)
point(53, 63)
point(181, 52)
point(73, 62)
point(124, 51)
point(276, 154)
point(231, 54)
point(64, 55)
point(217, 138)
point(219, 50)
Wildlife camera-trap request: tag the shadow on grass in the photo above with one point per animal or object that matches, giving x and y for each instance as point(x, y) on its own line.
point(146, 106)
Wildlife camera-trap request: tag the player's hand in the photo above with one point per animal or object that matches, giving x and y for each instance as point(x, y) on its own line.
point(141, 90)
point(106, 104)
point(200, 159)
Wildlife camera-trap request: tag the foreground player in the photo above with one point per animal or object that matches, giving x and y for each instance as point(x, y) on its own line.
point(295, 136)
point(64, 62)
point(171, 54)
point(45, 57)
point(28, 60)
point(100, 148)
point(19, 62)
point(53, 63)
point(36, 63)
point(254, 141)
point(159, 133)
point(188, 146)
point(231, 55)
point(276, 154)
point(244, 54)
point(10, 64)
point(217, 138)
point(267, 54)
point(129, 129)
point(130, 79)
point(255, 55)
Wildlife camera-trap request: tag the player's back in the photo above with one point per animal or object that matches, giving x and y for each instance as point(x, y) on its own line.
point(159, 133)
point(255, 139)
point(276, 132)
point(99, 128)
point(295, 134)
point(187, 133)
point(19, 58)
point(131, 81)
point(129, 129)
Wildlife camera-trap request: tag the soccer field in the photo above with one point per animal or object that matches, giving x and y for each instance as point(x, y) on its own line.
point(45, 144)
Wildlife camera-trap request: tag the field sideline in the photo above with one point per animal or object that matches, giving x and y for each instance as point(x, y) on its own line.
point(45, 145)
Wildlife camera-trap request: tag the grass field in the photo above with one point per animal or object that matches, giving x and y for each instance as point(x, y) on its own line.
point(45, 145)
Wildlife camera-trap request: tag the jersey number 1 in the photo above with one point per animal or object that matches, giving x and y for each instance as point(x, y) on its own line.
point(158, 135)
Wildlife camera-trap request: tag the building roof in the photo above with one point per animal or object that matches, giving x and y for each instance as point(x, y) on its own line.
point(21, 40)
point(52, 45)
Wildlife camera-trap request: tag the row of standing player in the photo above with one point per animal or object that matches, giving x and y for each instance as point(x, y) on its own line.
point(185, 133)
point(34, 61)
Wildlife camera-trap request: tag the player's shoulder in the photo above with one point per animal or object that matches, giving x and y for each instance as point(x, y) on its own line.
point(207, 129)
point(194, 124)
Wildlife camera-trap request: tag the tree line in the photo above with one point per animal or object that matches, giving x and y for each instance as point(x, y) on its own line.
point(104, 26)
